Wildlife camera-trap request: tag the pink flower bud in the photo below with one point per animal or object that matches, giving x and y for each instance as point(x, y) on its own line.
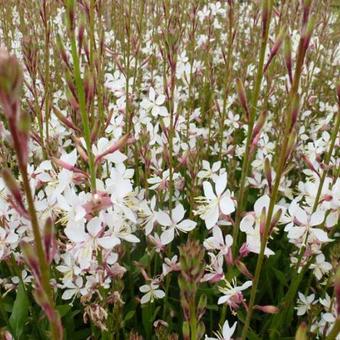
point(267, 309)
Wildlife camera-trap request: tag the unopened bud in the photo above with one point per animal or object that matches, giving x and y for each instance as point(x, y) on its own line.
point(275, 48)
point(50, 242)
point(243, 269)
point(294, 112)
point(275, 219)
point(288, 57)
point(267, 309)
point(337, 289)
point(13, 187)
point(259, 124)
point(31, 259)
point(301, 333)
point(242, 96)
point(263, 221)
point(10, 78)
point(268, 173)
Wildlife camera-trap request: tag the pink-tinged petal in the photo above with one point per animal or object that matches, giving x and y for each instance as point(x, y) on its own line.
point(108, 242)
point(94, 226)
point(320, 234)
point(208, 191)
point(317, 218)
point(227, 205)
point(167, 236)
point(221, 184)
point(163, 218)
point(262, 202)
point(178, 213)
point(186, 225)
point(211, 217)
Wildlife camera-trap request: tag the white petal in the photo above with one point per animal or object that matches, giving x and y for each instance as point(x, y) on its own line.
point(320, 234)
point(152, 94)
point(145, 298)
point(247, 223)
point(211, 217)
point(159, 294)
point(227, 205)
point(68, 293)
point(221, 183)
point(144, 288)
point(223, 299)
point(208, 191)
point(131, 238)
point(108, 242)
point(317, 218)
point(186, 225)
point(178, 213)
point(160, 100)
point(163, 218)
point(167, 236)
point(262, 202)
point(94, 226)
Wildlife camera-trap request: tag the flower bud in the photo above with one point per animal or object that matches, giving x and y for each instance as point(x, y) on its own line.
point(268, 173)
point(301, 333)
point(275, 48)
point(242, 96)
point(267, 309)
point(13, 187)
point(337, 289)
point(10, 78)
point(49, 239)
point(288, 57)
point(31, 259)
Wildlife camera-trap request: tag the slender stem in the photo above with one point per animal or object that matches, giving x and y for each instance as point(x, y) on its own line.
point(82, 104)
point(253, 108)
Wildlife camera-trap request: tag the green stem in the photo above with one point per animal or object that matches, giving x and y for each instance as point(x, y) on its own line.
point(253, 108)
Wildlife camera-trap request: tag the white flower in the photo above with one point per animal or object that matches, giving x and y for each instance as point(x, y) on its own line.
point(207, 171)
point(226, 333)
point(7, 239)
point(304, 224)
point(250, 224)
point(218, 242)
point(73, 289)
point(151, 293)
point(215, 203)
point(232, 294)
point(174, 223)
point(155, 104)
point(321, 266)
point(304, 303)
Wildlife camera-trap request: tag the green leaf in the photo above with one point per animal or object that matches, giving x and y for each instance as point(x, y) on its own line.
point(19, 314)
